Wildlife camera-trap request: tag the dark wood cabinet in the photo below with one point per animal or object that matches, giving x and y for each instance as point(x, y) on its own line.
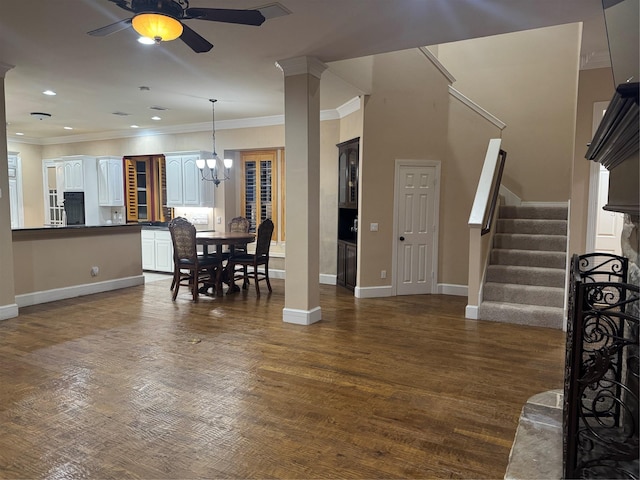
point(347, 258)
point(348, 154)
point(348, 178)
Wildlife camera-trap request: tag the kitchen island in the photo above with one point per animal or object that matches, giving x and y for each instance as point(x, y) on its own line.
point(54, 263)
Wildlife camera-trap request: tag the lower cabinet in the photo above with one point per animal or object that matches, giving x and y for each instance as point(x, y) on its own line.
point(347, 261)
point(157, 251)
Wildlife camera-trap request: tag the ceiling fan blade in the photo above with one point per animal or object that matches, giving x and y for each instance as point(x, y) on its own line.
point(243, 17)
point(109, 29)
point(196, 42)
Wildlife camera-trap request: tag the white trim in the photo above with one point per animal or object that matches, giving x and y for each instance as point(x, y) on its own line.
point(303, 65)
point(593, 60)
point(472, 312)
point(253, 122)
point(436, 63)
point(35, 298)
point(18, 178)
point(510, 198)
point(348, 107)
point(301, 317)
point(481, 199)
point(452, 289)
point(4, 68)
point(328, 279)
point(8, 311)
point(373, 292)
point(276, 273)
point(477, 108)
point(436, 220)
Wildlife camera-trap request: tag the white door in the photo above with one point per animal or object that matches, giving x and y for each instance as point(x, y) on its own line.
point(608, 224)
point(416, 222)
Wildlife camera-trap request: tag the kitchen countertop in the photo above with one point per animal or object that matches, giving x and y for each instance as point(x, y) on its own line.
point(73, 227)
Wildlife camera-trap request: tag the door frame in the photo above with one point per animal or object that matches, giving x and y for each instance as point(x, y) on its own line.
point(594, 181)
point(396, 205)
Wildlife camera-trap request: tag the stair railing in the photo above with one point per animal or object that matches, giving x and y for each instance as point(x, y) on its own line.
point(481, 220)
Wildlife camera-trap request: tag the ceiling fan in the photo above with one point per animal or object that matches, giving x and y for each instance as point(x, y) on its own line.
point(162, 20)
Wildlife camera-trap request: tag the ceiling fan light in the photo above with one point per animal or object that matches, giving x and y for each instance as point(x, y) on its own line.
point(157, 26)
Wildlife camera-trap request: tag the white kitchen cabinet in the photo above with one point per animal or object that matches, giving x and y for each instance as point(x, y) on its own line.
point(157, 250)
point(74, 174)
point(185, 187)
point(15, 190)
point(110, 182)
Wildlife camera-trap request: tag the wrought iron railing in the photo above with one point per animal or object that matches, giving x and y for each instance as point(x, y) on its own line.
point(601, 372)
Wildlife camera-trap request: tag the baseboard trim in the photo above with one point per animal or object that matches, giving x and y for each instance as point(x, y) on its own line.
point(472, 312)
point(8, 311)
point(328, 279)
point(452, 289)
point(301, 317)
point(35, 298)
point(276, 273)
point(373, 292)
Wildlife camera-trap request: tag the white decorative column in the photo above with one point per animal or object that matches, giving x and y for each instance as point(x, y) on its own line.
point(8, 306)
point(302, 147)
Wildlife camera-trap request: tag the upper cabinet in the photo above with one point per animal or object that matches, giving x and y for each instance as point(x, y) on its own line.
point(74, 174)
point(348, 155)
point(185, 187)
point(110, 182)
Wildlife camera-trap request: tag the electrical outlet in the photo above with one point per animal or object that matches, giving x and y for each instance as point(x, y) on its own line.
point(383, 274)
point(95, 271)
point(373, 227)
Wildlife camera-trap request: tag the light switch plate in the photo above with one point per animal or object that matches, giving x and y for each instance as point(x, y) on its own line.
point(373, 227)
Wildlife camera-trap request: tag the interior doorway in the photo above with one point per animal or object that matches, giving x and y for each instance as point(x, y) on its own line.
point(416, 225)
point(604, 228)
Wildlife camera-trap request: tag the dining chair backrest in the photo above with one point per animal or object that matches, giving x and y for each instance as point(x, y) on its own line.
point(239, 224)
point(263, 242)
point(183, 236)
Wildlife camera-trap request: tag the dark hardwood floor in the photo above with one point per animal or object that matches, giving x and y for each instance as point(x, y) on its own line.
point(129, 384)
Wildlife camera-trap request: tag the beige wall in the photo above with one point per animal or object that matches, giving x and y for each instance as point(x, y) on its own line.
point(529, 81)
point(595, 86)
point(115, 250)
point(405, 117)
point(468, 139)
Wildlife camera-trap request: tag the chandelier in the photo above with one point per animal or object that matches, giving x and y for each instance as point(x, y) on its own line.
point(209, 167)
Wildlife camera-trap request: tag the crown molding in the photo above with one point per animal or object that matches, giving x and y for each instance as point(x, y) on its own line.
point(477, 108)
point(4, 68)
point(592, 60)
point(254, 122)
point(301, 65)
point(436, 63)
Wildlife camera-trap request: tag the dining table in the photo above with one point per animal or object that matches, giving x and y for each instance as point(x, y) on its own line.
point(219, 240)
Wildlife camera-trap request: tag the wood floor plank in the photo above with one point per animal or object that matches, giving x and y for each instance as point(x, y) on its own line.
point(128, 384)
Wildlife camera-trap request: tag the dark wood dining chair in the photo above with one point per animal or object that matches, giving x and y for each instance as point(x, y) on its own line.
point(189, 268)
point(253, 261)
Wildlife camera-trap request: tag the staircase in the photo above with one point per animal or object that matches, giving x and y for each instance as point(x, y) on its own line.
point(525, 281)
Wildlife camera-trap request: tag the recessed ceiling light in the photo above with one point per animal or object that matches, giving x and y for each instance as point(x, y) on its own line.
point(135, 126)
point(49, 92)
point(19, 133)
point(156, 118)
point(146, 41)
point(68, 128)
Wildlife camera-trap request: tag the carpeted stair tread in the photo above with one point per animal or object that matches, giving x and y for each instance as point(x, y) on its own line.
point(524, 275)
point(532, 315)
point(519, 241)
point(530, 211)
point(531, 226)
point(531, 258)
point(526, 294)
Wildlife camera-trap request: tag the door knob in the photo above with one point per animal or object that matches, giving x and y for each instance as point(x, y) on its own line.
point(402, 239)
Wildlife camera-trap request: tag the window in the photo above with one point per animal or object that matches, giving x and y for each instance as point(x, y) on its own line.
point(263, 189)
